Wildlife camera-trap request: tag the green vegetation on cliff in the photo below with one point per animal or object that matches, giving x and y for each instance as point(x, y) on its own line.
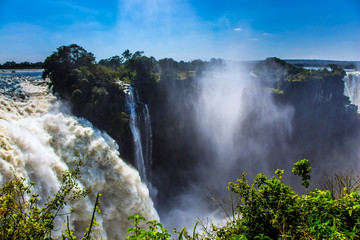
point(94, 92)
point(90, 88)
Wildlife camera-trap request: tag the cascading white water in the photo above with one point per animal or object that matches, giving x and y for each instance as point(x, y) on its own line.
point(131, 100)
point(148, 141)
point(38, 140)
point(140, 125)
point(352, 87)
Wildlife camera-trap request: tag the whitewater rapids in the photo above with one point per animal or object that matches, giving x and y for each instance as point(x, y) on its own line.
point(39, 138)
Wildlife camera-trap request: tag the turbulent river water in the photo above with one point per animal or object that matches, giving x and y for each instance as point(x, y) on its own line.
point(39, 140)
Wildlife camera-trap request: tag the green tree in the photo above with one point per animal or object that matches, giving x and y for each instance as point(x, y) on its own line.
point(126, 54)
point(60, 65)
point(112, 62)
point(302, 168)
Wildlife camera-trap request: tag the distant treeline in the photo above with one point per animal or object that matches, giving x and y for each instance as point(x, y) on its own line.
point(184, 65)
point(324, 63)
point(22, 65)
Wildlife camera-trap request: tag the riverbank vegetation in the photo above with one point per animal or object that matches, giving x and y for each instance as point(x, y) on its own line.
point(22, 65)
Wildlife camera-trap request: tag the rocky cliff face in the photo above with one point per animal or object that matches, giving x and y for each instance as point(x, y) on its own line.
point(289, 114)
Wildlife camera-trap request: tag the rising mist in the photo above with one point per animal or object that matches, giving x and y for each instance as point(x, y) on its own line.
point(236, 122)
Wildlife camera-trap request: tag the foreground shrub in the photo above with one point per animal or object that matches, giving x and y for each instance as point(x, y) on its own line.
point(269, 209)
point(24, 216)
point(266, 209)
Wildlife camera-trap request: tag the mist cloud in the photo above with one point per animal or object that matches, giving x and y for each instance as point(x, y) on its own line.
point(238, 128)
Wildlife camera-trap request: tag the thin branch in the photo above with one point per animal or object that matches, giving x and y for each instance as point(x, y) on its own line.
point(93, 215)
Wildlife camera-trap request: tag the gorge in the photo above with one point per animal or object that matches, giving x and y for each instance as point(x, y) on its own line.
point(187, 128)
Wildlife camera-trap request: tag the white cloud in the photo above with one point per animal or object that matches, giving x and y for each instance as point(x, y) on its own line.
point(238, 29)
point(78, 7)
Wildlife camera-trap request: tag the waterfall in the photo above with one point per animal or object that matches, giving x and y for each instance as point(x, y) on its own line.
point(39, 137)
point(148, 141)
point(140, 125)
point(352, 87)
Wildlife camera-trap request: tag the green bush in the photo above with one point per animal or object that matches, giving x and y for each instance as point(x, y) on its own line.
point(269, 209)
point(22, 216)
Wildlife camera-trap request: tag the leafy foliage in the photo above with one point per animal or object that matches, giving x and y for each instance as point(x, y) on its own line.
point(269, 209)
point(59, 66)
point(266, 209)
point(302, 168)
point(155, 229)
point(24, 216)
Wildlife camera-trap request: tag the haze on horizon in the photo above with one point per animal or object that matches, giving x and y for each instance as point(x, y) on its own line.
point(182, 29)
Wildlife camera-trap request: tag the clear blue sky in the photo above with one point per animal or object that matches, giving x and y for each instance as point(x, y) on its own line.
point(182, 29)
